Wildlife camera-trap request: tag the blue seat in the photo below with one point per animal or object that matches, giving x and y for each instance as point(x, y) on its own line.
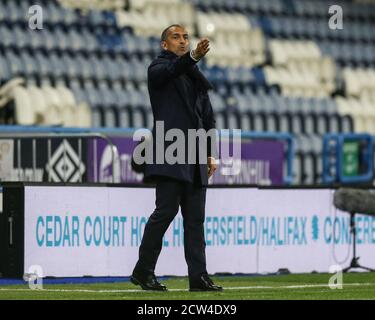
point(289, 27)
point(134, 99)
point(259, 76)
point(43, 64)
point(246, 75)
point(302, 143)
point(324, 47)
point(13, 13)
point(86, 71)
point(99, 69)
point(154, 45)
point(297, 124)
point(277, 28)
point(253, 6)
point(58, 68)
point(6, 37)
point(15, 64)
point(122, 66)
point(272, 122)
point(79, 95)
point(96, 117)
point(334, 123)
point(232, 74)
point(138, 117)
point(276, 7)
point(217, 101)
point(72, 67)
point(53, 13)
point(20, 37)
point(110, 117)
point(4, 69)
point(89, 40)
point(146, 103)
point(368, 32)
point(109, 18)
point(308, 168)
point(347, 124)
point(109, 68)
point(268, 104)
point(309, 105)
point(299, 27)
point(309, 123)
point(140, 70)
point(45, 39)
point(122, 97)
point(298, 168)
point(96, 18)
point(143, 44)
point(322, 125)
point(2, 12)
point(255, 104)
point(367, 53)
point(109, 97)
point(29, 64)
point(129, 44)
point(125, 118)
point(75, 40)
point(111, 42)
point(219, 74)
point(142, 98)
point(316, 143)
point(61, 38)
point(93, 97)
point(149, 118)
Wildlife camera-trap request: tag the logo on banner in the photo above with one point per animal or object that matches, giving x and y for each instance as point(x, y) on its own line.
point(65, 164)
point(315, 228)
point(107, 171)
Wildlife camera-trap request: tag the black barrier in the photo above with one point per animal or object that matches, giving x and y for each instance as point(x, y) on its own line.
point(11, 232)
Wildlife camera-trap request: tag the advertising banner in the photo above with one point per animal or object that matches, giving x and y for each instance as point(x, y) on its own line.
point(97, 232)
point(43, 160)
point(261, 163)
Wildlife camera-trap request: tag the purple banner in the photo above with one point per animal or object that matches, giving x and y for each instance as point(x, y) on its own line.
point(261, 163)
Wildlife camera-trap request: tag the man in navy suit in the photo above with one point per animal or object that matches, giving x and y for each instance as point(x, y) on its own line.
point(178, 94)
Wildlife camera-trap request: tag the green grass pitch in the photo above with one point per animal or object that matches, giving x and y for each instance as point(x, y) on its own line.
point(293, 286)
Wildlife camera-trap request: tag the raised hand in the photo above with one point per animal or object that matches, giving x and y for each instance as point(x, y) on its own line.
point(202, 48)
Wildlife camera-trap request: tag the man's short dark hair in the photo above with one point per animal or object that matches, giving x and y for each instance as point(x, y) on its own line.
point(164, 34)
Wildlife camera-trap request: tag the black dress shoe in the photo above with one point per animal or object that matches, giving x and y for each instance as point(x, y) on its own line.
point(204, 283)
point(147, 282)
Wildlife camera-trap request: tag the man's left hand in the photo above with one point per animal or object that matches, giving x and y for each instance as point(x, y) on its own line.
point(212, 166)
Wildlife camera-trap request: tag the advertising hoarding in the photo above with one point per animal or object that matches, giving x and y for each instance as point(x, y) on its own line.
point(96, 231)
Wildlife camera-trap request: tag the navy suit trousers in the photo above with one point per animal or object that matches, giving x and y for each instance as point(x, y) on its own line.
point(170, 195)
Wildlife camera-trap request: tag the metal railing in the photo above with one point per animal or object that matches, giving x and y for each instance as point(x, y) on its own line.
point(105, 133)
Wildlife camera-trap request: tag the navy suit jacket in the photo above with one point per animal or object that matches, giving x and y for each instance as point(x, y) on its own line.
point(170, 103)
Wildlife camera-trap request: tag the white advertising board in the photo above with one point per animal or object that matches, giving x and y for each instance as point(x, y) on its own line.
point(96, 231)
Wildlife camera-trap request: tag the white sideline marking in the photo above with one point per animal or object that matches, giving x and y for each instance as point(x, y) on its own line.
point(184, 290)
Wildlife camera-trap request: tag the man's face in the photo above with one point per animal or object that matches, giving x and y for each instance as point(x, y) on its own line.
point(177, 41)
